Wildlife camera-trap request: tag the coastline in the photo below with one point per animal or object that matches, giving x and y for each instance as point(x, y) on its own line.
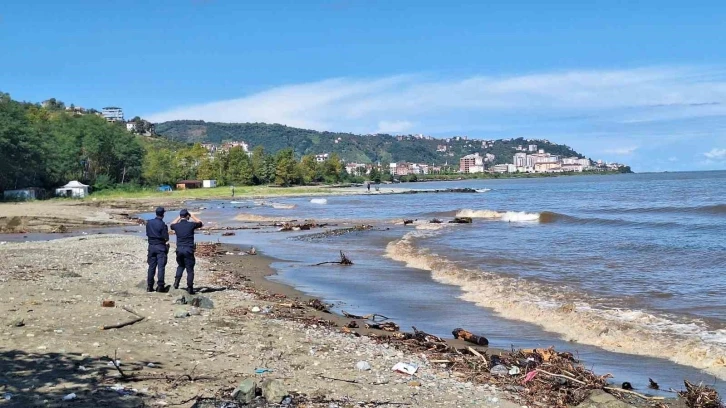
point(215, 348)
point(261, 269)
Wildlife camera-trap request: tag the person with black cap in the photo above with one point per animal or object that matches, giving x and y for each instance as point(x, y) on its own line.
point(158, 235)
point(184, 230)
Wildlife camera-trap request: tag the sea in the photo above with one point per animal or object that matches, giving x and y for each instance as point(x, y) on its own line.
point(625, 271)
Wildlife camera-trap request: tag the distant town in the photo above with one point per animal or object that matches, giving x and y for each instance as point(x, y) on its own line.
point(529, 158)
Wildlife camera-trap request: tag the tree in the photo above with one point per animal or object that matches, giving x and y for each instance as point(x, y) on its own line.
point(259, 167)
point(240, 167)
point(333, 169)
point(375, 175)
point(309, 169)
point(285, 173)
point(159, 167)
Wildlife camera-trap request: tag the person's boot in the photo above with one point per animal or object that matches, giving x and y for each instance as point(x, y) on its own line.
point(161, 288)
point(150, 288)
point(190, 289)
point(176, 283)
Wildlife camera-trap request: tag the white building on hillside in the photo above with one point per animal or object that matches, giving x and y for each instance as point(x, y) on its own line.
point(113, 114)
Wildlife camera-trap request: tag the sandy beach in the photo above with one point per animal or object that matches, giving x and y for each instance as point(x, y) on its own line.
point(52, 344)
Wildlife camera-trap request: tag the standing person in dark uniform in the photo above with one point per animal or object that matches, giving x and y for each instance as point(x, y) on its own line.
point(158, 235)
point(184, 230)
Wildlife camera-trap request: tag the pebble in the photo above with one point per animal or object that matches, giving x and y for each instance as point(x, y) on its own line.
point(363, 366)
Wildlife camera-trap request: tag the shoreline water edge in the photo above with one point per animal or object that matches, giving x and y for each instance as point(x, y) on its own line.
point(498, 298)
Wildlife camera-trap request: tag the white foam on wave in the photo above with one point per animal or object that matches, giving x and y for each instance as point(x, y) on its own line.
point(486, 214)
point(512, 216)
point(483, 190)
point(509, 216)
point(618, 330)
point(319, 201)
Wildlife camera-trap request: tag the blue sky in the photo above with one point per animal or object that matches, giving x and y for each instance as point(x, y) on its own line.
point(643, 83)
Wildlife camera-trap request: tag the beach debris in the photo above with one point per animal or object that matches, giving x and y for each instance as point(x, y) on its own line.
point(8, 396)
point(128, 323)
point(461, 220)
point(108, 303)
point(514, 370)
point(333, 232)
point(245, 391)
point(470, 337)
point(252, 251)
point(262, 370)
point(273, 390)
point(435, 221)
point(344, 260)
point(652, 384)
point(60, 229)
point(626, 386)
point(318, 305)
point(352, 325)
point(17, 322)
point(405, 368)
point(288, 226)
point(228, 234)
point(208, 249)
point(70, 397)
point(700, 396)
point(255, 309)
point(407, 222)
point(363, 366)
point(364, 317)
point(499, 370)
point(181, 313)
point(387, 326)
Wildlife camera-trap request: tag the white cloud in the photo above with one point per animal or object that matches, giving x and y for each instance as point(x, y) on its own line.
point(644, 109)
point(622, 151)
point(398, 126)
point(716, 154)
point(348, 104)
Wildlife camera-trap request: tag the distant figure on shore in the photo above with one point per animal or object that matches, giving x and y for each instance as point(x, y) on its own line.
point(368, 186)
point(184, 230)
point(158, 236)
point(232, 191)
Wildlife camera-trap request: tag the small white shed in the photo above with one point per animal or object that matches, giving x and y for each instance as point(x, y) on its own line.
point(209, 183)
point(74, 189)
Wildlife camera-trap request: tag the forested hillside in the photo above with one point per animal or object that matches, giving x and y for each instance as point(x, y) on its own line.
point(47, 147)
point(350, 147)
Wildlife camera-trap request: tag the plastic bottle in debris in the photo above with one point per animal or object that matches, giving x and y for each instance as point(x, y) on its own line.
point(499, 371)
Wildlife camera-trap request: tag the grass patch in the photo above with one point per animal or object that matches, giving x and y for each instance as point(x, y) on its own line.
point(210, 193)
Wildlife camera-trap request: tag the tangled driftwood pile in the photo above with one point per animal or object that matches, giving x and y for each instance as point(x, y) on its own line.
point(700, 396)
point(208, 249)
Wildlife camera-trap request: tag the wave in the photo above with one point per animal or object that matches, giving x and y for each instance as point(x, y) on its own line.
point(548, 217)
point(574, 318)
point(508, 216)
point(483, 190)
point(715, 209)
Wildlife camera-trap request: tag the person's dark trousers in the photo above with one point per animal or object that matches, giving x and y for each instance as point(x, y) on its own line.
point(185, 259)
point(157, 265)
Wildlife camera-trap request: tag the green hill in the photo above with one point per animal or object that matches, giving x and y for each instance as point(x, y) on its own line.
point(351, 147)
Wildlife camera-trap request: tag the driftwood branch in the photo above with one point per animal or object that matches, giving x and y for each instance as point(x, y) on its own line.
point(637, 394)
point(344, 260)
point(562, 376)
point(115, 364)
point(338, 379)
point(128, 323)
point(371, 317)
